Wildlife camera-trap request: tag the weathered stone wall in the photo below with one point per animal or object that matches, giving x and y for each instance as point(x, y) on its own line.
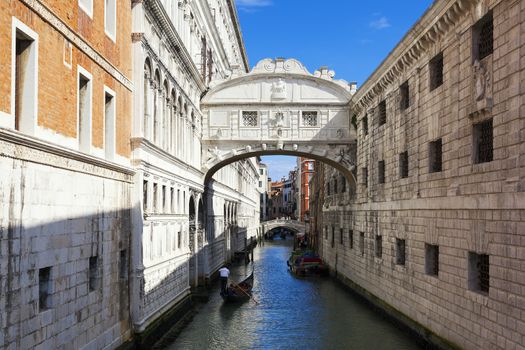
point(58, 211)
point(468, 207)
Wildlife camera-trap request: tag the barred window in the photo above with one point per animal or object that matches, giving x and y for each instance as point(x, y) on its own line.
point(351, 238)
point(483, 37)
point(381, 112)
point(381, 172)
point(400, 251)
point(44, 288)
point(431, 259)
point(364, 123)
point(483, 142)
point(250, 118)
point(364, 171)
point(362, 243)
point(403, 164)
point(405, 96)
point(379, 246)
point(478, 274)
point(436, 71)
point(309, 118)
point(435, 156)
point(341, 238)
point(333, 236)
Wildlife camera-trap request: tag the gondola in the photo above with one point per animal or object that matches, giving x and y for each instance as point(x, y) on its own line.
point(239, 292)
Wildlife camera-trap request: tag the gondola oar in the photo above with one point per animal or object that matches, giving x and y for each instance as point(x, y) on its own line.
point(250, 296)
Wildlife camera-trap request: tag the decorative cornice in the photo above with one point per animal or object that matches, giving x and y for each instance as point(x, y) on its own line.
point(41, 10)
point(431, 27)
point(162, 20)
point(59, 157)
point(235, 20)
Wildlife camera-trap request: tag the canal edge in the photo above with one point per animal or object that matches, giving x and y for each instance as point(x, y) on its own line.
point(424, 336)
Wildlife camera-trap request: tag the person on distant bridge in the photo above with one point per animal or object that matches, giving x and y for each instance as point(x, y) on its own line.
point(224, 273)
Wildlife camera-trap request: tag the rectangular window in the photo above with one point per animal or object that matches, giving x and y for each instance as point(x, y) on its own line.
point(123, 265)
point(381, 113)
point(379, 246)
point(155, 198)
point(400, 251)
point(478, 272)
point(260, 183)
point(250, 118)
point(84, 110)
point(145, 196)
point(178, 200)
point(483, 37)
point(364, 124)
point(362, 243)
point(403, 164)
point(44, 288)
point(333, 236)
point(351, 238)
point(261, 171)
point(110, 18)
point(341, 237)
point(404, 93)
point(436, 71)
point(93, 273)
point(172, 198)
point(25, 84)
point(431, 259)
point(381, 172)
point(326, 232)
point(86, 6)
point(364, 171)
point(435, 156)
point(179, 239)
point(164, 208)
point(109, 123)
point(309, 118)
point(483, 142)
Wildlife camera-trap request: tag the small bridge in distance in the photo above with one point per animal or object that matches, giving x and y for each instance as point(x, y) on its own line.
point(298, 227)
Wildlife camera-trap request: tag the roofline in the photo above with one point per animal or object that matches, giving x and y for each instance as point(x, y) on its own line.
point(236, 24)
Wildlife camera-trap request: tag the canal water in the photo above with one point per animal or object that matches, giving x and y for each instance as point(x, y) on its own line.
point(292, 313)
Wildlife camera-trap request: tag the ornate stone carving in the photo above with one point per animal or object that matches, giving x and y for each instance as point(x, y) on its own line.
point(279, 90)
point(481, 87)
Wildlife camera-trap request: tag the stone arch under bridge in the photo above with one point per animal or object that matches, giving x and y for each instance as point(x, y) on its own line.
point(279, 108)
point(294, 225)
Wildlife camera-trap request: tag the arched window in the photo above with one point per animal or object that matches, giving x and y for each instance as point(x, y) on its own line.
point(147, 99)
point(166, 120)
point(156, 106)
point(173, 118)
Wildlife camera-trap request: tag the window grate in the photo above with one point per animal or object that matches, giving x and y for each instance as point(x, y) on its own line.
point(351, 238)
point(485, 36)
point(362, 243)
point(484, 135)
point(435, 156)
point(405, 96)
point(483, 273)
point(249, 118)
point(400, 251)
point(365, 176)
point(365, 124)
point(431, 259)
point(403, 164)
point(436, 71)
point(381, 172)
point(381, 112)
point(309, 118)
point(379, 246)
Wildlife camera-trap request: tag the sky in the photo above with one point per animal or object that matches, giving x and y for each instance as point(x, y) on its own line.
point(351, 37)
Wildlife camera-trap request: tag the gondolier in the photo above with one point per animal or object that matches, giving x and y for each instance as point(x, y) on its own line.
point(224, 273)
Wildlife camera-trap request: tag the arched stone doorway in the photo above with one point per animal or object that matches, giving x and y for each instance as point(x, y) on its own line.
point(192, 225)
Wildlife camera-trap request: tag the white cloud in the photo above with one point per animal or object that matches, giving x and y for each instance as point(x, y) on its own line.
point(252, 5)
point(380, 23)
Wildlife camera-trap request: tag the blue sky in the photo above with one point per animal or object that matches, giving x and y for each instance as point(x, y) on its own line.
point(351, 37)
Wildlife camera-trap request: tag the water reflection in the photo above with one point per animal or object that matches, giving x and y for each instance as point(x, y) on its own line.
point(292, 313)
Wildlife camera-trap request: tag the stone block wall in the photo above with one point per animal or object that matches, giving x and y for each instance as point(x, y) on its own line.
point(469, 209)
point(59, 212)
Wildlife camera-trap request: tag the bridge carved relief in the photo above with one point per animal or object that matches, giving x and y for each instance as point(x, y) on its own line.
point(279, 108)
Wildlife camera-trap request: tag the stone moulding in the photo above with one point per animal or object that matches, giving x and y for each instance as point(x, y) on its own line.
point(436, 22)
point(80, 43)
point(26, 148)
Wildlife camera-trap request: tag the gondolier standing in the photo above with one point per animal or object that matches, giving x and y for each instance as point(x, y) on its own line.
point(224, 273)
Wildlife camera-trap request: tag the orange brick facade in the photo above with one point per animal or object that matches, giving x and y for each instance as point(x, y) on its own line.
point(57, 81)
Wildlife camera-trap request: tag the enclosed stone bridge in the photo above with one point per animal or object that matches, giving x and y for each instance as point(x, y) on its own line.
point(279, 108)
point(293, 225)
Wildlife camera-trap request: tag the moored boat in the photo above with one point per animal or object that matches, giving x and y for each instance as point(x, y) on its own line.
point(307, 263)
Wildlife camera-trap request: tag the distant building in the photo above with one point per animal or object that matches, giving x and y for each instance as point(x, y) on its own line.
point(305, 171)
